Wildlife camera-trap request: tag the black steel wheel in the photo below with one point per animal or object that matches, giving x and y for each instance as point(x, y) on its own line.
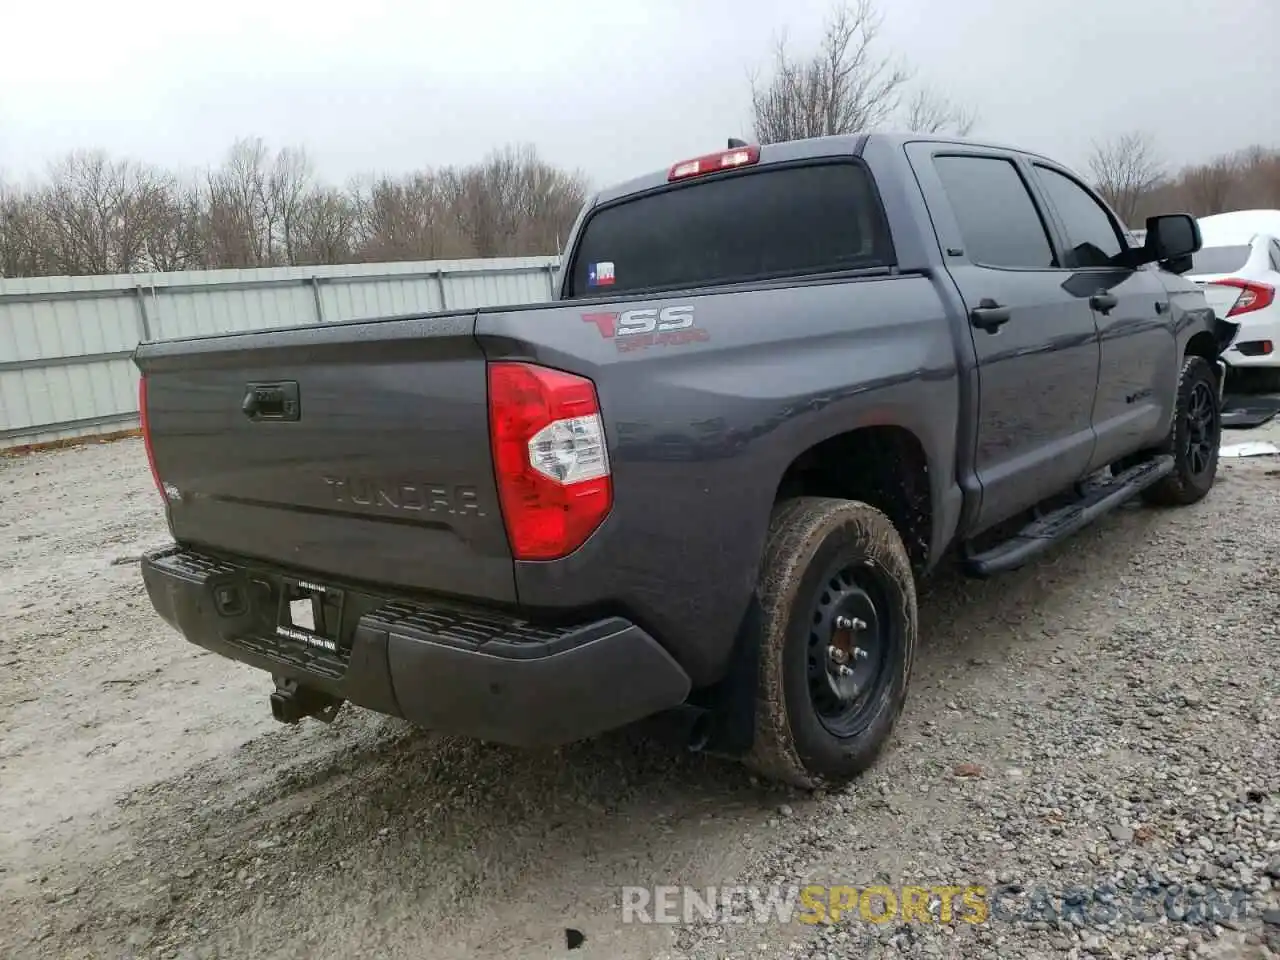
point(838, 637)
point(851, 643)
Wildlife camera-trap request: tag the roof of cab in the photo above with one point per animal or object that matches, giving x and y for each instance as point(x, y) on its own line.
point(841, 145)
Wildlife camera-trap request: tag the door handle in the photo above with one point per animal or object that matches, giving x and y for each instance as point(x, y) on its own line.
point(1104, 302)
point(989, 315)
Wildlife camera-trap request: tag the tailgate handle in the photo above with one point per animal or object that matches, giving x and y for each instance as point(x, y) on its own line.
point(271, 401)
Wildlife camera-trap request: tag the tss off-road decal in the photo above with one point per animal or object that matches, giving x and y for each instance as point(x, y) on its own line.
point(637, 329)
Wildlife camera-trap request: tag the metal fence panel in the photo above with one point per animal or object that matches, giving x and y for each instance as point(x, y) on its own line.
point(66, 342)
point(196, 310)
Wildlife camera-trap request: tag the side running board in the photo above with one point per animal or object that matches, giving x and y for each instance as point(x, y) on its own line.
point(1041, 534)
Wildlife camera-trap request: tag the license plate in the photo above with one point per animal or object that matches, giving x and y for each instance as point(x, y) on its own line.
point(310, 613)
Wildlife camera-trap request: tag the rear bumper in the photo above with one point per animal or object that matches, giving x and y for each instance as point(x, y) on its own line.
point(458, 670)
point(1251, 334)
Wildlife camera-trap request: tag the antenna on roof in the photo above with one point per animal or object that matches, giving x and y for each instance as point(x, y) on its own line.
point(735, 143)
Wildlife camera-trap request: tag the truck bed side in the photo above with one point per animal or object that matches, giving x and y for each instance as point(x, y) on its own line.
point(702, 432)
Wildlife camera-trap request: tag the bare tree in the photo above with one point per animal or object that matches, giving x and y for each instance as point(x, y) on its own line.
point(255, 204)
point(239, 218)
point(1207, 187)
point(290, 196)
point(1124, 169)
point(1259, 177)
point(177, 240)
point(931, 112)
point(263, 208)
point(845, 87)
point(100, 213)
point(323, 228)
point(548, 203)
point(404, 218)
point(482, 198)
point(25, 241)
point(512, 202)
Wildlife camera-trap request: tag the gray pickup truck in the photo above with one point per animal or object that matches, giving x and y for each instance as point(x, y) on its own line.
point(777, 386)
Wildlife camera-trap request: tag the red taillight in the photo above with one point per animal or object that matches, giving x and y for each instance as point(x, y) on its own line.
point(1253, 296)
point(550, 458)
point(145, 423)
point(713, 162)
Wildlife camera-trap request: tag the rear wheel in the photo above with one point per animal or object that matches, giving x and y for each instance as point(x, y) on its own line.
point(1194, 438)
point(838, 604)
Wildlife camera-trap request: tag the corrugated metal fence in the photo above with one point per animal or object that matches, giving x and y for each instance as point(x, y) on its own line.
point(66, 342)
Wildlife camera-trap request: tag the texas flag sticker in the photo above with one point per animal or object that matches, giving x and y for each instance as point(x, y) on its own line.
point(600, 274)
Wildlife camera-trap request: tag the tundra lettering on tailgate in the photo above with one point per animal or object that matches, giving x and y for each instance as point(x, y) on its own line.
point(637, 329)
point(411, 495)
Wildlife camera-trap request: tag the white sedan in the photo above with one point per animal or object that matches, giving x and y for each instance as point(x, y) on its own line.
point(1239, 268)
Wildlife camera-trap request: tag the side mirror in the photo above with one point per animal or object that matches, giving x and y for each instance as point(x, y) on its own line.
point(1171, 238)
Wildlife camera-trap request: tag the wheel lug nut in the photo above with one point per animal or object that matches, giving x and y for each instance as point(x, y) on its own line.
point(850, 623)
point(836, 654)
point(845, 671)
point(859, 653)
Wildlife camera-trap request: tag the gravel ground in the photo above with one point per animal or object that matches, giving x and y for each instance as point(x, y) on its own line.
point(1098, 730)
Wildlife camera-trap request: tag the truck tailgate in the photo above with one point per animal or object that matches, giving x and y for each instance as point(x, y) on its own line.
point(355, 450)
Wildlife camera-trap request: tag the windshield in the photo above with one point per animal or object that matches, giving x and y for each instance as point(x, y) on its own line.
point(1220, 259)
point(767, 223)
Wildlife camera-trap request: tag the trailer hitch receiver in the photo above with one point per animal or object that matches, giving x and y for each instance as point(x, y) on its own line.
point(291, 701)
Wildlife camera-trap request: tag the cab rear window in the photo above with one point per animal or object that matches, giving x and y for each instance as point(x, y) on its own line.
point(758, 225)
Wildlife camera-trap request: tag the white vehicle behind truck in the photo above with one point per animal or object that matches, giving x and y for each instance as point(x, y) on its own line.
point(1239, 269)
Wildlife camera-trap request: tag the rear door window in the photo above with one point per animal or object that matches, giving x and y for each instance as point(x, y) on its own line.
point(764, 224)
point(997, 218)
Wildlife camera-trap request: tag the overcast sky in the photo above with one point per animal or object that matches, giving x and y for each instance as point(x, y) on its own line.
point(614, 89)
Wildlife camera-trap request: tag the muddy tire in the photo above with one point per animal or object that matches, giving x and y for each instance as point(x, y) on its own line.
point(838, 639)
point(1194, 438)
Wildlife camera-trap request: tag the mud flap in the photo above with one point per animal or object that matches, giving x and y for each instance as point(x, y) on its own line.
point(732, 702)
point(1224, 331)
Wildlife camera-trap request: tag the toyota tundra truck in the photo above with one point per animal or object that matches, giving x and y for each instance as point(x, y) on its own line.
point(776, 386)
